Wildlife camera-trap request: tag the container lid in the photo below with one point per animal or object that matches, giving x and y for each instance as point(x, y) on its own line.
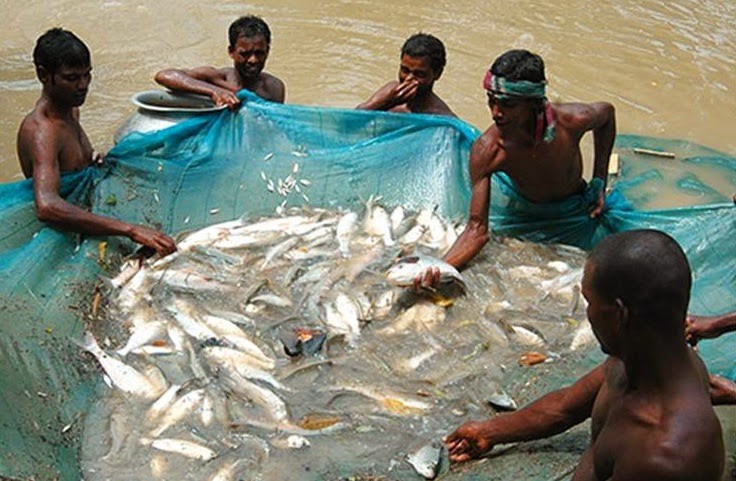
point(166, 101)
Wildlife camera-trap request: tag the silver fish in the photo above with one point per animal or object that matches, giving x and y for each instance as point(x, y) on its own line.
point(181, 408)
point(501, 400)
point(405, 269)
point(427, 460)
point(123, 376)
point(181, 446)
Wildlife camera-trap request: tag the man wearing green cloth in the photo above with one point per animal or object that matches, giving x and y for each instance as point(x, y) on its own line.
point(534, 146)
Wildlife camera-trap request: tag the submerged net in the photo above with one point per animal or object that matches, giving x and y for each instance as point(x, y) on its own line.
point(221, 166)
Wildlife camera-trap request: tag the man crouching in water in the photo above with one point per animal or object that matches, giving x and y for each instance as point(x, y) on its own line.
point(651, 413)
point(51, 141)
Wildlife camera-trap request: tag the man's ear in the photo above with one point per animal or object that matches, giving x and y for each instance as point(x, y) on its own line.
point(623, 316)
point(438, 74)
point(43, 75)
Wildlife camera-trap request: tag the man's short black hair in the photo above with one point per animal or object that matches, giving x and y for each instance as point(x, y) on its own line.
point(249, 26)
point(425, 45)
point(518, 65)
point(647, 270)
point(58, 47)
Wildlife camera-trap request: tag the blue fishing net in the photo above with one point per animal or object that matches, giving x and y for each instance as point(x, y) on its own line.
point(224, 165)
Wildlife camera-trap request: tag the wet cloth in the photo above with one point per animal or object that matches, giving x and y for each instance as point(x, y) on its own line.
point(566, 221)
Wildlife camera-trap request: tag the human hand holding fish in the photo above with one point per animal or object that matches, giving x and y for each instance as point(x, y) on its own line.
point(423, 272)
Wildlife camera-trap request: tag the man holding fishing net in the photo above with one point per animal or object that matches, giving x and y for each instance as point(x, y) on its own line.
point(533, 148)
point(51, 142)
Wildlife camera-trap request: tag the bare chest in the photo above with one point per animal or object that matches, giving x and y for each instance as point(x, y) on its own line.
point(75, 149)
point(544, 173)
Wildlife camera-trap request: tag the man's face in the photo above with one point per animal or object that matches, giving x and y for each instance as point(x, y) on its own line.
point(68, 85)
point(418, 69)
point(604, 315)
point(249, 56)
point(509, 111)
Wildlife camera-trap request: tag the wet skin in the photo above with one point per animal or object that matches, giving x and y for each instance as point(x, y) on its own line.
point(221, 84)
point(51, 141)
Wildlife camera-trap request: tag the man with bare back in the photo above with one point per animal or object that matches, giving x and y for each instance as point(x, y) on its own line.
point(51, 141)
point(250, 43)
point(649, 403)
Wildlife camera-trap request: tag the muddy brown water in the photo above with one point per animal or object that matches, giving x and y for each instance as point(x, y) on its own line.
point(668, 67)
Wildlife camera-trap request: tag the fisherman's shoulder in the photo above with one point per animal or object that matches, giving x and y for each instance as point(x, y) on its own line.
point(274, 86)
point(578, 115)
point(487, 148)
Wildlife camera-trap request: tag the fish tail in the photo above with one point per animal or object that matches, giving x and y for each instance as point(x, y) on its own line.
point(88, 343)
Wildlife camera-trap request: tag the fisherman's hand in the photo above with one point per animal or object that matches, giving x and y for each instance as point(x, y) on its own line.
point(469, 441)
point(600, 204)
point(158, 241)
point(98, 158)
point(225, 97)
point(697, 328)
point(401, 93)
point(428, 279)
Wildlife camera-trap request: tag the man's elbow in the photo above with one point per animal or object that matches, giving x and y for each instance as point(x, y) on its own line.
point(47, 211)
point(479, 233)
point(164, 76)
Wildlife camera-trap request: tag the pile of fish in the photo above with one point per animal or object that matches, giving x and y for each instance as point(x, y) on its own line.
point(286, 348)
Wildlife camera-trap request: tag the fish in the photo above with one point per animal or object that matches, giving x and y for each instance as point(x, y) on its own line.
point(377, 222)
point(178, 410)
point(162, 403)
point(232, 360)
point(582, 337)
point(235, 336)
point(342, 317)
point(143, 335)
point(265, 398)
point(183, 447)
point(346, 228)
point(391, 402)
point(187, 317)
point(427, 460)
point(209, 235)
point(501, 400)
point(123, 376)
point(405, 269)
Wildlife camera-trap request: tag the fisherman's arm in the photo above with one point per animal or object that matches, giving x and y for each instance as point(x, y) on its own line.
point(207, 81)
point(55, 211)
point(390, 95)
point(552, 414)
point(483, 162)
point(476, 233)
point(708, 327)
point(601, 119)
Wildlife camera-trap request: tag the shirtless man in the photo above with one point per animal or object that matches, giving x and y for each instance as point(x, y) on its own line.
point(652, 417)
point(51, 141)
point(250, 42)
point(536, 143)
point(422, 63)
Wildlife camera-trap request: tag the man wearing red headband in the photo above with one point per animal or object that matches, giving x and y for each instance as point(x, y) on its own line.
point(535, 145)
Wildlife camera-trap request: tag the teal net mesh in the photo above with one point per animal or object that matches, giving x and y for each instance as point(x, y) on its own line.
point(224, 165)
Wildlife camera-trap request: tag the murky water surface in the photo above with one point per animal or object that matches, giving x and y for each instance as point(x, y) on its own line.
point(668, 67)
